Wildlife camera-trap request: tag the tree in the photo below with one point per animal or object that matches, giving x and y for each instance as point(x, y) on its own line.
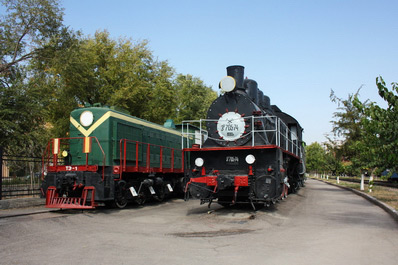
point(193, 98)
point(47, 70)
point(347, 123)
point(334, 157)
point(102, 70)
point(380, 129)
point(349, 126)
point(27, 25)
point(162, 98)
point(21, 120)
point(315, 158)
point(370, 132)
point(118, 73)
point(23, 31)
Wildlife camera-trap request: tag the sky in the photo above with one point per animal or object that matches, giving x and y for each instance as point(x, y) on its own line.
point(297, 51)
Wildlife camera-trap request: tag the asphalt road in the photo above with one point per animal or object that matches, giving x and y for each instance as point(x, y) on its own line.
point(321, 224)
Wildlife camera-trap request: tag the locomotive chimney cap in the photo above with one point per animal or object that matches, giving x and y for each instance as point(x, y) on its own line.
point(237, 72)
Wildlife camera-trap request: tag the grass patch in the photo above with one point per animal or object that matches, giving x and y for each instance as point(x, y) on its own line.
point(384, 194)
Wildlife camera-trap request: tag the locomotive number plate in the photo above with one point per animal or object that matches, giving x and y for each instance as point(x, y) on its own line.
point(232, 160)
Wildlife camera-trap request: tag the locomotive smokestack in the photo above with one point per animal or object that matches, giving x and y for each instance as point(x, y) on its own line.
point(237, 72)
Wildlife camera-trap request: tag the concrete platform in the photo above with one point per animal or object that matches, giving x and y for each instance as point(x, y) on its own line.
point(22, 206)
point(21, 203)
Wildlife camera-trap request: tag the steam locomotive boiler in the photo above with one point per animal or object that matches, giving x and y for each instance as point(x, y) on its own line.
point(246, 151)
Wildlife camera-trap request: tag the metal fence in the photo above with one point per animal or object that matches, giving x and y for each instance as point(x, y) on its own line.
point(20, 176)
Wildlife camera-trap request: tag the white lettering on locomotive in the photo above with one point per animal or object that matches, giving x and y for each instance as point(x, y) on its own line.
point(232, 159)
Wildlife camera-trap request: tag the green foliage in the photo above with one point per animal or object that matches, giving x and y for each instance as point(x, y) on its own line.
point(21, 120)
point(347, 124)
point(380, 135)
point(102, 70)
point(337, 158)
point(23, 29)
point(47, 70)
point(321, 159)
point(370, 132)
point(315, 158)
point(162, 98)
point(194, 98)
point(116, 73)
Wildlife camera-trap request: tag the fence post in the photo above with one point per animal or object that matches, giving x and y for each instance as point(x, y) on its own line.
point(1, 172)
point(370, 183)
point(362, 182)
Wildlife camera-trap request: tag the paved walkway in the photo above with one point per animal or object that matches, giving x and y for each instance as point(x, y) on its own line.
point(321, 224)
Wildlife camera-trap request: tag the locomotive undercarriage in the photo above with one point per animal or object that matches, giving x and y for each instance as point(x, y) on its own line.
point(85, 190)
point(140, 188)
point(262, 190)
point(76, 189)
point(260, 183)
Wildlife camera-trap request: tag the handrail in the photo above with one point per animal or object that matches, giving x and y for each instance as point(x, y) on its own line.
point(54, 146)
point(149, 147)
point(280, 134)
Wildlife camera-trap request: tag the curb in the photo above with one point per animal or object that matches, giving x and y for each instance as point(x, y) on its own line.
point(21, 203)
point(391, 211)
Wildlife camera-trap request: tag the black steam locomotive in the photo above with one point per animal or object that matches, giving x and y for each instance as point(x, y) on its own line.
point(246, 151)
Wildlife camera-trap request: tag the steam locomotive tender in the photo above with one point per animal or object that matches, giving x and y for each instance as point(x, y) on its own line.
point(247, 151)
point(111, 158)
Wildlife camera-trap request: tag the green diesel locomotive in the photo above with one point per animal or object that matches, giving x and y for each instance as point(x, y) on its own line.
point(111, 157)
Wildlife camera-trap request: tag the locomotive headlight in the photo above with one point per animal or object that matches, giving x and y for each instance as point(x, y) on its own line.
point(199, 162)
point(64, 153)
point(250, 159)
point(227, 84)
point(86, 118)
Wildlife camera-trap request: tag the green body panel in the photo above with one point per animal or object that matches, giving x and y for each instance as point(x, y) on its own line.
point(110, 126)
